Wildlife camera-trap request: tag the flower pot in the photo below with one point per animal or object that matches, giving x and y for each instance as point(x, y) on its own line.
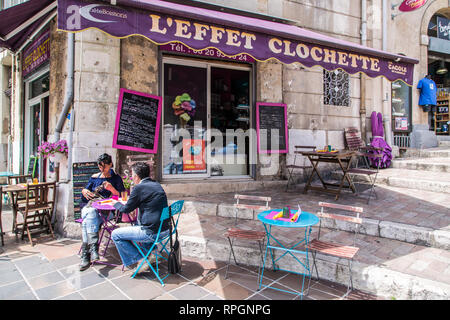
point(59, 157)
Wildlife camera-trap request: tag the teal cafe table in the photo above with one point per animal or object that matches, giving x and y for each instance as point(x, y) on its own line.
point(305, 221)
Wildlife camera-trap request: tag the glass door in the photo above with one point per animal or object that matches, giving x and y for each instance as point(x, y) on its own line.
point(36, 119)
point(185, 119)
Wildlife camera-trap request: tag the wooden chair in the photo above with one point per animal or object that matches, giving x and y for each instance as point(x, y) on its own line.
point(38, 209)
point(236, 233)
point(341, 251)
point(368, 152)
point(292, 167)
point(364, 153)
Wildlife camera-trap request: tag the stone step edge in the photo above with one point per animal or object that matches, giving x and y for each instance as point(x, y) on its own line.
point(418, 166)
point(376, 279)
point(201, 188)
point(408, 183)
point(372, 227)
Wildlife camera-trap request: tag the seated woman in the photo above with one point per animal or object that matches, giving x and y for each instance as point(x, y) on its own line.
point(106, 183)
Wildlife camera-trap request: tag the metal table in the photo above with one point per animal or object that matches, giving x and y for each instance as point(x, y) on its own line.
point(306, 220)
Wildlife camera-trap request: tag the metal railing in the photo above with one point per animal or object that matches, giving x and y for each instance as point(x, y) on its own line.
point(402, 141)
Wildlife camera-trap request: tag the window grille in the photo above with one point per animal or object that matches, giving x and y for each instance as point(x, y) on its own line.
point(336, 88)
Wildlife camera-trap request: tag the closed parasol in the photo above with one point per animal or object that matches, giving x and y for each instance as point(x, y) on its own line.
point(379, 142)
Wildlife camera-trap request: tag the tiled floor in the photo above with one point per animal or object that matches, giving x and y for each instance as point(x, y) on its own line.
point(35, 273)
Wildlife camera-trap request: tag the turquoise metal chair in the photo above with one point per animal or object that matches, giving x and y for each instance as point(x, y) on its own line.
point(176, 208)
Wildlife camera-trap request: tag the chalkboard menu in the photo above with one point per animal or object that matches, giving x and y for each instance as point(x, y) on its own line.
point(137, 122)
point(33, 167)
point(271, 116)
point(82, 171)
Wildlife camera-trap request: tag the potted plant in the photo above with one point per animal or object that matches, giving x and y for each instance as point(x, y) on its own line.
point(60, 150)
point(57, 150)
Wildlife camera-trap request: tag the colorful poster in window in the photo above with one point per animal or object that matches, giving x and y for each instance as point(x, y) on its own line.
point(401, 123)
point(194, 155)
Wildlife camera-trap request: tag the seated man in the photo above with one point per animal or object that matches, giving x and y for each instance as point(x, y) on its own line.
point(151, 199)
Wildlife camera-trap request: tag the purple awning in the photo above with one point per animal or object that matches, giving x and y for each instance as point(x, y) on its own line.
point(198, 28)
point(19, 22)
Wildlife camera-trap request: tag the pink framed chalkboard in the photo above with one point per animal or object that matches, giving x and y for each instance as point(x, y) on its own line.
point(138, 121)
point(272, 116)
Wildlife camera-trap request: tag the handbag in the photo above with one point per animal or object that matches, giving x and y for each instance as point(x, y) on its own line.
point(174, 259)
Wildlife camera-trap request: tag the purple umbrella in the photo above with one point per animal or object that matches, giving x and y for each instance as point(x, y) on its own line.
point(378, 142)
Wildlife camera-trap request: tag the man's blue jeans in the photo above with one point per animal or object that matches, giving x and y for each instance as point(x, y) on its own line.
point(91, 221)
point(128, 252)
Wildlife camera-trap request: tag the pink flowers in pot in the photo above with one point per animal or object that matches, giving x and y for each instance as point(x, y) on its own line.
point(48, 149)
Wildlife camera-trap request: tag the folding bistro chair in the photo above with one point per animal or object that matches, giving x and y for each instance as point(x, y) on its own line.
point(174, 211)
point(367, 153)
point(293, 167)
point(17, 198)
point(38, 209)
point(236, 233)
point(341, 251)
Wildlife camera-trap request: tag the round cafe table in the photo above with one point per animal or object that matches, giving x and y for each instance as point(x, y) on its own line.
point(306, 220)
point(108, 225)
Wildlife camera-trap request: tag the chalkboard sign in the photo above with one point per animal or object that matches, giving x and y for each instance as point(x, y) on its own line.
point(271, 116)
point(137, 122)
point(33, 167)
point(82, 171)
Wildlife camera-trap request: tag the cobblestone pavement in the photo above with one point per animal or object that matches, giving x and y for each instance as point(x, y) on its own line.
point(49, 271)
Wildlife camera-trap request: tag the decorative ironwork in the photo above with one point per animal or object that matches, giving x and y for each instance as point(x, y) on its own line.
point(336, 88)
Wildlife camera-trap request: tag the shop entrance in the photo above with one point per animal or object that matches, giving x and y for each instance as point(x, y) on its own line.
point(205, 102)
point(36, 118)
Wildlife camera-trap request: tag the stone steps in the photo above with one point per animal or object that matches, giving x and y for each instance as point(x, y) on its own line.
point(423, 164)
point(179, 188)
point(387, 267)
point(404, 178)
point(412, 234)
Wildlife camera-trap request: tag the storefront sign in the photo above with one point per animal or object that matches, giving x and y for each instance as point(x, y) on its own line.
point(36, 54)
point(271, 127)
point(209, 52)
point(401, 123)
point(77, 15)
point(410, 5)
point(194, 156)
point(443, 28)
point(137, 122)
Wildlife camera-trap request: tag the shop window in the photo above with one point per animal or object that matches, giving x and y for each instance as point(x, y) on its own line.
point(39, 86)
point(336, 88)
point(401, 107)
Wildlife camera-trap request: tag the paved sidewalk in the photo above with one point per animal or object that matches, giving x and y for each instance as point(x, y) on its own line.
point(49, 271)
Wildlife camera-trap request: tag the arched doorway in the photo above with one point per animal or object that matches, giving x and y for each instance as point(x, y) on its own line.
point(438, 66)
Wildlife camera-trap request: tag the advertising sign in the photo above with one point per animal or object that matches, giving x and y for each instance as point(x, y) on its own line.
point(194, 155)
point(401, 123)
point(443, 28)
point(37, 53)
point(410, 5)
point(213, 39)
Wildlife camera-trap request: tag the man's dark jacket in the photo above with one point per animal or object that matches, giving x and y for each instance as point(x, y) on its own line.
point(151, 199)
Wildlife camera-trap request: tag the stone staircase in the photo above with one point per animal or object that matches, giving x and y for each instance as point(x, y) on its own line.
point(402, 258)
point(426, 169)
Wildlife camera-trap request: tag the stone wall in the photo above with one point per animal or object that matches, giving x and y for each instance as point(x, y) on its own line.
point(139, 72)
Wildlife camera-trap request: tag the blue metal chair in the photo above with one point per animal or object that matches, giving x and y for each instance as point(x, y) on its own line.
point(176, 208)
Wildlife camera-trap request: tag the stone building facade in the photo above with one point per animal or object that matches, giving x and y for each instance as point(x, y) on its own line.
point(104, 64)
